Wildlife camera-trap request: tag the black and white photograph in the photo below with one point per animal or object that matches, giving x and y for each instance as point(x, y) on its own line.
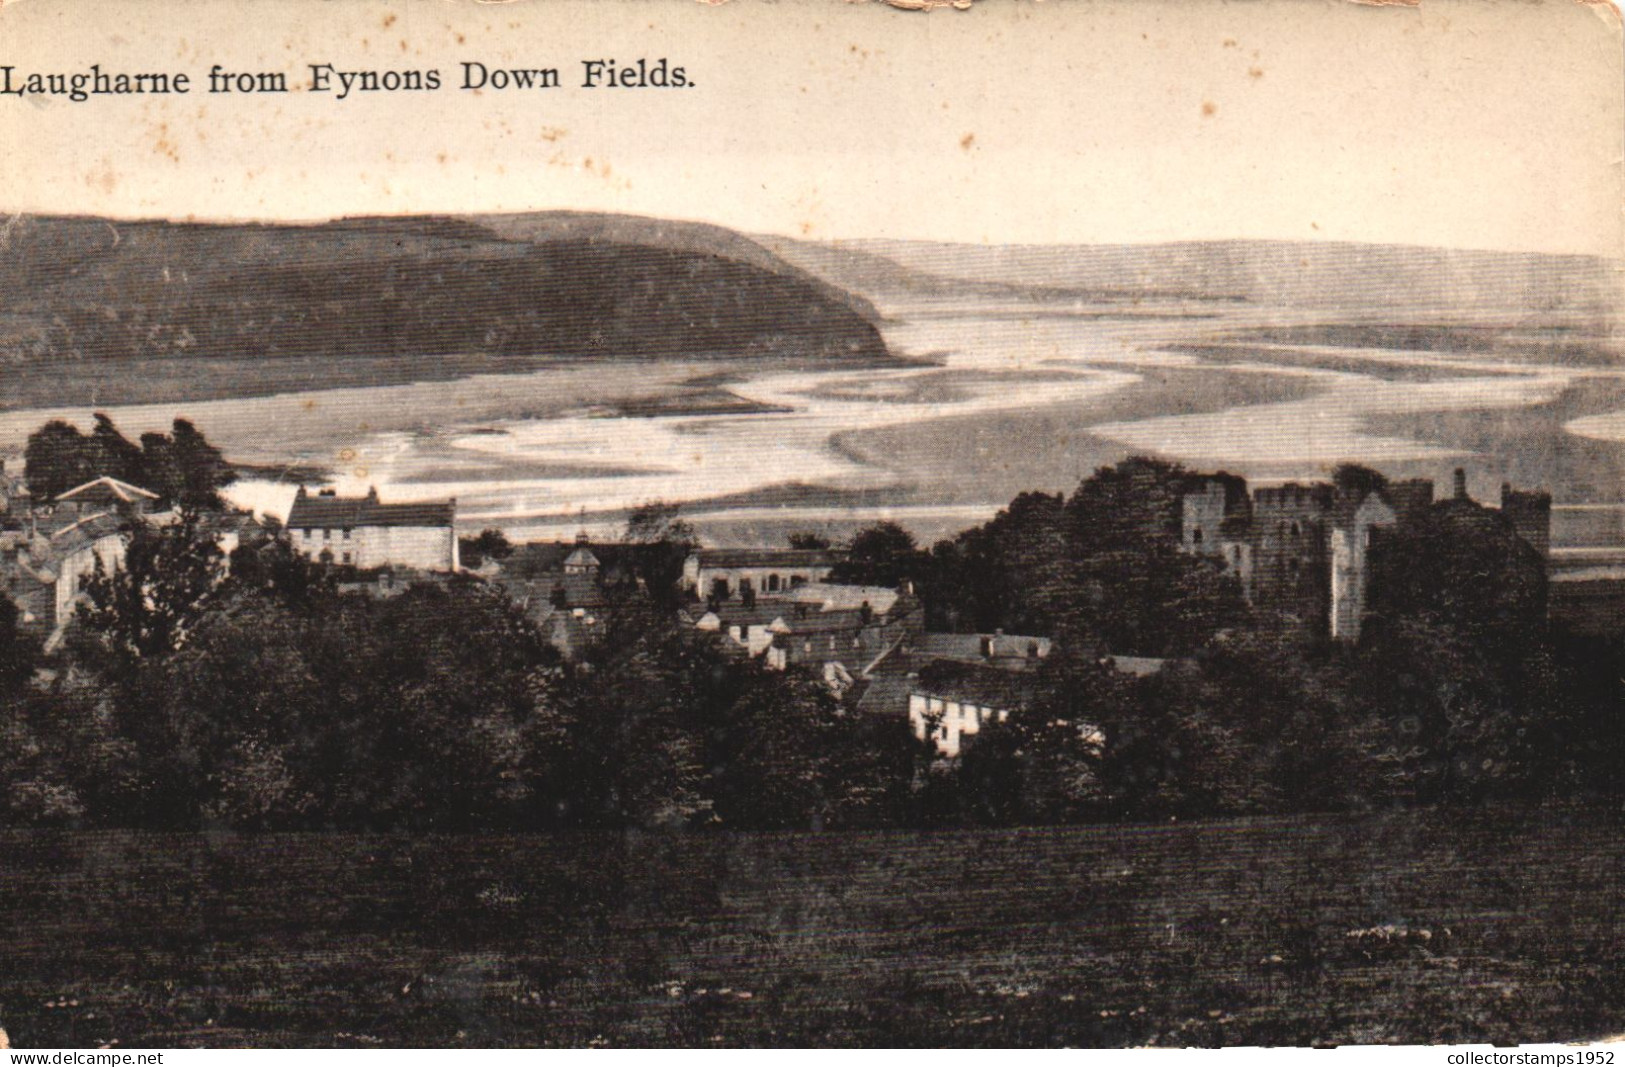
point(805, 524)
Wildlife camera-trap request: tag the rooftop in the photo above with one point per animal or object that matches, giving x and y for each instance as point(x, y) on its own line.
point(971, 648)
point(770, 557)
point(100, 488)
point(339, 512)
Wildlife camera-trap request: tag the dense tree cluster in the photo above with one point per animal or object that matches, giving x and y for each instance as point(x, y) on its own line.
point(1101, 568)
point(182, 467)
point(1457, 690)
point(268, 698)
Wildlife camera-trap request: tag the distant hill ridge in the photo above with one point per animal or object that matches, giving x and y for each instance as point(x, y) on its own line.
point(1330, 274)
point(562, 284)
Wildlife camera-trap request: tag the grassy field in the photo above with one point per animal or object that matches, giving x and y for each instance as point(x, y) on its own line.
point(1496, 926)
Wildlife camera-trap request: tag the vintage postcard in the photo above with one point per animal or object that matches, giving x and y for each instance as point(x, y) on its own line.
point(649, 523)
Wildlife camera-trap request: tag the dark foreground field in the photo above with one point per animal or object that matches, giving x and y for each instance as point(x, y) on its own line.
point(1407, 928)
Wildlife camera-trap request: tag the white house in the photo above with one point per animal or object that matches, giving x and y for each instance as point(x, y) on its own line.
point(725, 572)
point(362, 532)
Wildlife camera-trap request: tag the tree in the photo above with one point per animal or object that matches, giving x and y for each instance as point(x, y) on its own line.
point(181, 467)
point(55, 460)
point(1470, 687)
point(17, 650)
point(148, 604)
point(202, 470)
point(491, 543)
point(807, 540)
point(1000, 575)
point(664, 540)
point(1129, 589)
point(1357, 482)
point(1043, 763)
point(658, 523)
point(112, 454)
point(882, 554)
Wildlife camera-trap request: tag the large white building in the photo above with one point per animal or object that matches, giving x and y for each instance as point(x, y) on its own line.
point(364, 533)
point(725, 572)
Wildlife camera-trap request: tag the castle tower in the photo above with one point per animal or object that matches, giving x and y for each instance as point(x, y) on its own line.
point(1290, 552)
point(1530, 514)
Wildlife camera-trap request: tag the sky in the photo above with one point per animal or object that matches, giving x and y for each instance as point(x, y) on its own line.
point(1462, 123)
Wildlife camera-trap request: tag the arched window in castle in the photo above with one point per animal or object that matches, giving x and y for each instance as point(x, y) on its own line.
point(1196, 535)
point(1296, 529)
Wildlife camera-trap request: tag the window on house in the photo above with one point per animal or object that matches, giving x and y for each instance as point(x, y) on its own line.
point(307, 535)
point(327, 535)
point(346, 535)
point(346, 557)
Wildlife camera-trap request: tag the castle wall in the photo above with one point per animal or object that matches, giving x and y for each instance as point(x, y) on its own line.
point(1290, 553)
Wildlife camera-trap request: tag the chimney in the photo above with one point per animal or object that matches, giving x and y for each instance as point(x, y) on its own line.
point(372, 494)
point(302, 494)
point(1461, 484)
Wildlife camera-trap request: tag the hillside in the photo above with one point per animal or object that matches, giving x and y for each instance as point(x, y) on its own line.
point(1330, 275)
point(1306, 274)
point(413, 290)
point(848, 266)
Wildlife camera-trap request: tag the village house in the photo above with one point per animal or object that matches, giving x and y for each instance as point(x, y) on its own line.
point(106, 495)
point(364, 533)
point(564, 588)
point(813, 625)
point(720, 573)
point(950, 686)
point(47, 552)
point(14, 495)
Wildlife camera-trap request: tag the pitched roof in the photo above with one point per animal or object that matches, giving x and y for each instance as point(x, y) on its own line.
point(830, 597)
point(1138, 666)
point(953, 680)
point(340, 512)
point(122, 491)
point(968, 648)
point(85, 531)
point(733, 613)
point(582, 557)
point(886, 694)
point(770, 557)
